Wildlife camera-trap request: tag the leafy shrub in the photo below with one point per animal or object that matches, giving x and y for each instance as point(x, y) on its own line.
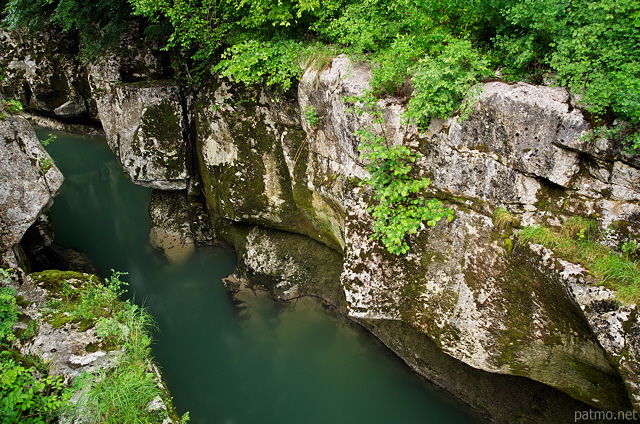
point(100, 24)
point(399, 209)
point(393, 66)
point(8, 313)
point(311, 115)
point(274, 62)
point(10, 107)
point(28, 397)
point(45, 142)
point(442, 82)
point(591, 45)
point(8, 307)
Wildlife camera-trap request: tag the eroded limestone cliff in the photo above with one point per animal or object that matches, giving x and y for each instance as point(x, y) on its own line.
point(284, 192)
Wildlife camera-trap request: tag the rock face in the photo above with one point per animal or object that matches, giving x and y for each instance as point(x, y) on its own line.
point(44, 73)
point(28, 182)
point(170, 230)
point(463, 285)
point(280, 175)
point(273, 177)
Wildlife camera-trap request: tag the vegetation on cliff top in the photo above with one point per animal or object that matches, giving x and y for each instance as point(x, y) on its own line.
point(433, 50)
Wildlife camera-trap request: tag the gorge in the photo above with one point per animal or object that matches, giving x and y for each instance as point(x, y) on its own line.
point(519, 334)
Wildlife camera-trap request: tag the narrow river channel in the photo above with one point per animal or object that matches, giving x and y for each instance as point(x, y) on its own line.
point(270, 363)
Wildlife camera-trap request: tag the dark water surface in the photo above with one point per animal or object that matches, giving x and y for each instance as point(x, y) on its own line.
point(272, 363)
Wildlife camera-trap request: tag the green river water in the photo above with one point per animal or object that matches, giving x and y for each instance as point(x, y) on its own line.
point(270, 363)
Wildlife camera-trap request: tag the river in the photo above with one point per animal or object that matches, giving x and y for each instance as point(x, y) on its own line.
point(268, 363)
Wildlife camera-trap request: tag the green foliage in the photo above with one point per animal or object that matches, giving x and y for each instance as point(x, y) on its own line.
point(311, 115)
point(28, 397)
point(45, 142)
point(579, 228)
point(577, 241)
point(27, 13)
point(10, 107)
point(8, 307)
point(122, 394)
point(363, 26)
point(399, 208)
point(45, 165)
point(594, 46)
point(629, 247)
point(100, 24)
point(84, 301)
point(444, 81)
point(437, 48)
point(393, 66)
point(624, 134)
point(197, 27)
point(274, 62)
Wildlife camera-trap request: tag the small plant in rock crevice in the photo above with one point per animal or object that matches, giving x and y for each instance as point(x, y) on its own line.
point(311, 115)
point(503, 219)
point(399, 209)
point(10, 107)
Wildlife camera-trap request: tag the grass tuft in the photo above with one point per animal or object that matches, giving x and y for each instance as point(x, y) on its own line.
point(576, 241)
point(504, 219)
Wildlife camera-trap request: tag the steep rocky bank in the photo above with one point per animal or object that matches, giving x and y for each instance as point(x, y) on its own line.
point(29, 181)
point(466, 308)
point(60, 343)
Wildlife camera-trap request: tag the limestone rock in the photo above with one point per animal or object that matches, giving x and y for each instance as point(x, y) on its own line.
point(287, 265)
point(462, 286)
point(44, 73)
point(258, 166)
point(616, 325)
point(491, 310)
point(28, 180)
point(144, 128)
point(520, 124)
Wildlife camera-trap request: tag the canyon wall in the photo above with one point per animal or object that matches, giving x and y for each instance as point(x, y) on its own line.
point(468, 307)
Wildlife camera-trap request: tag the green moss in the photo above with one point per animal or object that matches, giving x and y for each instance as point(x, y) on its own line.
point(58, 319)
point(508, 244)
point(54, 280)
point(163, 123)
point(610, 388)
point(481, 148)
point(22, 302)
point(547, 199)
